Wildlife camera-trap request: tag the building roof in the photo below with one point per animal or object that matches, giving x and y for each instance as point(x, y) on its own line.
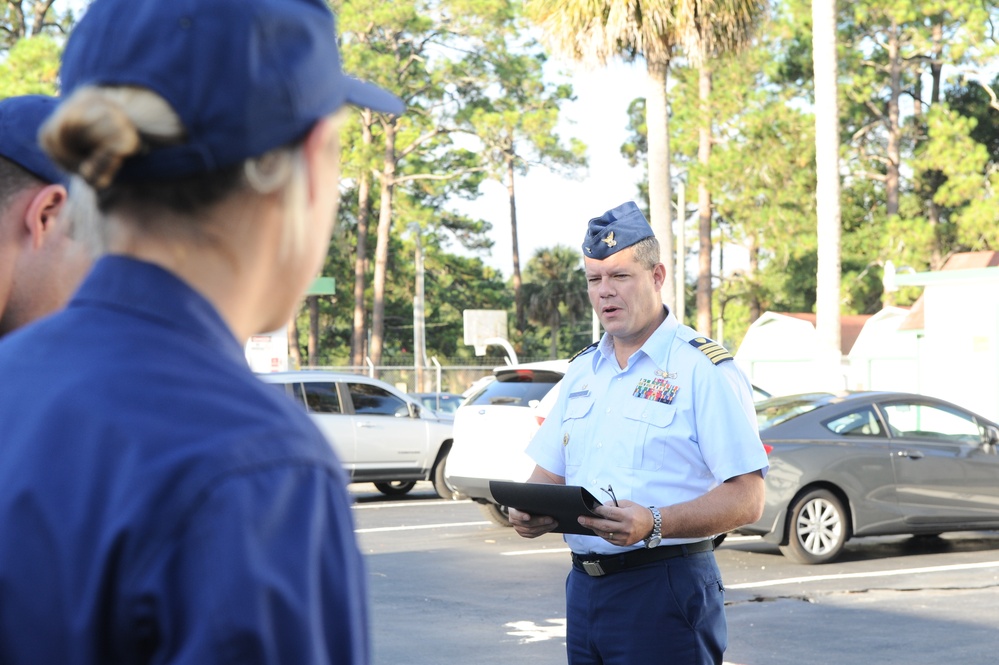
point(972, 260)
point(961, 261)
point(850, 326)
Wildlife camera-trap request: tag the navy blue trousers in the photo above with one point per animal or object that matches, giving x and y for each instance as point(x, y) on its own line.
point(668, 612)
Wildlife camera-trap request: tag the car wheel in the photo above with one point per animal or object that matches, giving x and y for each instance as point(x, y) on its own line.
point(496, 513)
point(395, 487)
point(441, 486)
point(817, 528)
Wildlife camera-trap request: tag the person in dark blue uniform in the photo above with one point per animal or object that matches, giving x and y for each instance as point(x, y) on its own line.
point(657, 418)
point(159, 503)
point(41, 263)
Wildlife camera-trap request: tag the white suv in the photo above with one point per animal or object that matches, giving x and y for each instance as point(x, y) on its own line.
point(380, 434)
point(492, 428)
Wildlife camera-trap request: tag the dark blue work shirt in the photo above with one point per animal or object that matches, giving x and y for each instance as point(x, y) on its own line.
point(160, 504)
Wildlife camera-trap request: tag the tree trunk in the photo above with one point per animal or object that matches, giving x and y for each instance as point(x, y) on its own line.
point(704, 205)
point(753, 271)
point(827, 192)
point(358, 334)
point(893, 152)
point(294, 351)
point(517, 295)
point(660, 187)
point(382, 248)
point(313, 304)
point(556, 324)
point(936, 65)
point(39, 11)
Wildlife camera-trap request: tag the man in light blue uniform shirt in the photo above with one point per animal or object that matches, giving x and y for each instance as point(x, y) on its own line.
point(659, 419)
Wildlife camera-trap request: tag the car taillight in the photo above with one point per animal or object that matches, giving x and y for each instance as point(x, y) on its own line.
point(767, 448)
point(540, 420)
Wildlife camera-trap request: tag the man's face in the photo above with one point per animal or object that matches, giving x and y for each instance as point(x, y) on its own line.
point(625, 295)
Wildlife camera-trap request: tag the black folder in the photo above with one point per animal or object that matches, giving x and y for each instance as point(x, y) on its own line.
point(563, 502)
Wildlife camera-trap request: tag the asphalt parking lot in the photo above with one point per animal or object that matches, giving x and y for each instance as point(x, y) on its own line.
point(447, 586)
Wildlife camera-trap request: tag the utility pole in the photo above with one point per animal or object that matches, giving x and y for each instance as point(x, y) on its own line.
point(681, 251)
point(419, 324)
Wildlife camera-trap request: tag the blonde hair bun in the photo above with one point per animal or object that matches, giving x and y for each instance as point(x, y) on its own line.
point(91, 134)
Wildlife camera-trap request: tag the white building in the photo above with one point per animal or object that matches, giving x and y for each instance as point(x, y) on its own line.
point(946, 345)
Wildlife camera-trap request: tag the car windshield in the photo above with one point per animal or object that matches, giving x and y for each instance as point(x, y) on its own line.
point(779, 410)
point(518, 390)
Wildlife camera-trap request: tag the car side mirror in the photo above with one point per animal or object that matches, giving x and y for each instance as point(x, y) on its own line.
point(991, 437)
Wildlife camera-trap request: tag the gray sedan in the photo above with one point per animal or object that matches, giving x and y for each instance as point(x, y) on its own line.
point(872, 464)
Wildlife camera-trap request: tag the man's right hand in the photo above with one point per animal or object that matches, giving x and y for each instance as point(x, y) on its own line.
point(529, 526)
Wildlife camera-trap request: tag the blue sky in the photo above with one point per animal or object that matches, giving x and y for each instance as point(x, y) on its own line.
point(553, 209)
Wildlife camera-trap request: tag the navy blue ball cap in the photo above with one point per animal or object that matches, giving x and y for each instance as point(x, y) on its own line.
point(20, 118)
point(245, 76)
point(616, 229)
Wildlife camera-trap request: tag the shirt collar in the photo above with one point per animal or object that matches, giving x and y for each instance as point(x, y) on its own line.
point(656, 347)
point(152, 293)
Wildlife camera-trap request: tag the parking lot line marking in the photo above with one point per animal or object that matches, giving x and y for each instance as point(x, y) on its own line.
point(564, 550)
point(433, 503)
point(882, 573)
point(420, 526)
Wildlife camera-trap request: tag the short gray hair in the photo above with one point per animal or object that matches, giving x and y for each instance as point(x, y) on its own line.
point(647, 252)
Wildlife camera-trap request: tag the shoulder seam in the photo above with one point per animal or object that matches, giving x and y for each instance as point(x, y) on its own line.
point(582, 351)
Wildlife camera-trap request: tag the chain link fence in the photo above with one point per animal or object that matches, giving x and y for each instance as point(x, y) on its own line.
point(437, 377)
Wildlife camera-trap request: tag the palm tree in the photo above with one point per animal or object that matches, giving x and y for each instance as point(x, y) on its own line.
point(592, 31)
point(827, 320)
point(731, 28)
point(555, 283)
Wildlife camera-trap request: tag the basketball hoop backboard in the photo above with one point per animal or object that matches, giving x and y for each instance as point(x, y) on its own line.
point(481, 325)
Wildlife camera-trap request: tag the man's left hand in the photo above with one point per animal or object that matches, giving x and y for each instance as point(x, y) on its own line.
point(621, 525)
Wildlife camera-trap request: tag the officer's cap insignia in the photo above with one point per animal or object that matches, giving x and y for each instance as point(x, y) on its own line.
point(609, 240)
point(715, 352)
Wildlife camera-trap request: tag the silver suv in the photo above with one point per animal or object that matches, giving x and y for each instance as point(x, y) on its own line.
point(380, 434)
point(493, 426)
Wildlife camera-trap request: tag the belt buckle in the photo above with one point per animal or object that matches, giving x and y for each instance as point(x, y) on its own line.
point(593, 568)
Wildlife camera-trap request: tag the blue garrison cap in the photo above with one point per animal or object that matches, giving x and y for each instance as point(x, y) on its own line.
point(20, 118)
point(245, 76)
point(616, 229)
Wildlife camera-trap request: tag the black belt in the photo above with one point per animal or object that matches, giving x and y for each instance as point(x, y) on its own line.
point(596, 565)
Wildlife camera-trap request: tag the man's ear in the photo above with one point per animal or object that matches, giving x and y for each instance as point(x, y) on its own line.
point(43, 211)
point(659, 275)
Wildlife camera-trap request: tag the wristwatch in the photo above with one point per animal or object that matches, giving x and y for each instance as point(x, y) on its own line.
point(657, 524)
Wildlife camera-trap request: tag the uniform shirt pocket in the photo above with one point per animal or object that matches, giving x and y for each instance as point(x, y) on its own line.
point(573, 426)
point(646, 424)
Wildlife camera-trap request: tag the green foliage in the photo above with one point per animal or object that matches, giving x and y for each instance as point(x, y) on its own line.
point(31, 68)
point(555, 292)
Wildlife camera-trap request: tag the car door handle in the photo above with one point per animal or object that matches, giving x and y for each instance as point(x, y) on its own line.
point(911, 454)
point(365, 423)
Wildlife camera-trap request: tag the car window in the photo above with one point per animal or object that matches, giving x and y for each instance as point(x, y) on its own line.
point(318, 397)
point(375, 401)
point(774, 412)
point(863, 422)
point(931, 422)
point(512, 393)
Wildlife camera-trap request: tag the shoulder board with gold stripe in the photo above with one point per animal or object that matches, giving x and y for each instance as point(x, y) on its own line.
point(586, 349)
point(715, 352)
